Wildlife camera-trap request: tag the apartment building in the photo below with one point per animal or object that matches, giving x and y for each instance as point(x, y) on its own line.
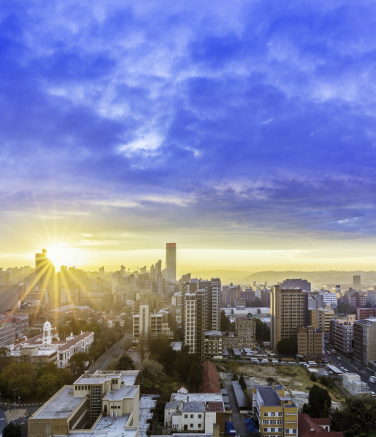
point(7, 333)
point(212, 344)
point(150, 324)
point(276, 412)
point(341, 334)
point(354, 385)
point(201, 313)
point(330, 299)
point(365, 341)
point(365, 313)
point(103, 401)
point(310, 341)
point(288, 311)
point(320, 318)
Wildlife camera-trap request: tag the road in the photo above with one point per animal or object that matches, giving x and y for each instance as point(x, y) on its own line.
point(350, 365)
point(238, 421)
point(116, 351)
point(3, 422)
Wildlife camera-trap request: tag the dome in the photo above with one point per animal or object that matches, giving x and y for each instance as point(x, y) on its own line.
point(46, 326)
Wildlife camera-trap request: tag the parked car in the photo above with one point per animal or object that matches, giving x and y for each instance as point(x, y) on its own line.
point(324, 373)
point(329, 353)
point(372, 393)
point(275, 361)
point(333, 351)
point(372, 379)
point(339, 358)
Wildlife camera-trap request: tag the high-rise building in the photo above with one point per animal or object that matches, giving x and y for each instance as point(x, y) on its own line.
point(365, 341)
point(265, 298)
point(288, 311)
point(341, 334)
point(356, 281)
point(310, 341)
point(201, 313)
point(171, 259)
point(296, 283)
point(320, 318)
point(45, 276)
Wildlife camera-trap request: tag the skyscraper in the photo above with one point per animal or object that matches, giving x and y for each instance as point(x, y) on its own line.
point(288, 311)
point(171, 259)
point(45, 275)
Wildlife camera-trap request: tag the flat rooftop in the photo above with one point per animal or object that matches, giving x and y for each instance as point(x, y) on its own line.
point(147, 404)
point(113, 424)
point(61, 406)
point(127, 432)
point(196, 397)
point(121, 393)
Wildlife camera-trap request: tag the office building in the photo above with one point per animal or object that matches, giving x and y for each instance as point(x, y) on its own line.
point(288, 311)
point(303, 284)
point(233, 295)
point(265, 298)
point(310, 341)
point(7, 333)
point(171, 260)
point(249, 295)
point(364, 341)
point(149, 323)
point(275, 411)
point(329, 299)
point(341, 334)
point(365, 313)
point(104, 403)
point(355, 298)
point(356, 281)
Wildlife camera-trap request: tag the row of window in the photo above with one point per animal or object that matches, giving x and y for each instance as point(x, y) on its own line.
point(273, 429)
point(272, 414)
point(191, 416)
point(272, 422)
point(82, 387)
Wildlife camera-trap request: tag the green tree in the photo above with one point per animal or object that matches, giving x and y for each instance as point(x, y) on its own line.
point(184, 362)
point(313, 377)
point(152, 374)
point(47, 384)
point(125, 362)
point(325, 412)
point(167, 357)
point(195, 377)
point(242, 382)
point(262, 330)
point(12, 430)
point(256, 303)
point(316, 401)
point(286, 346)
point(19, 376)
point(226, 324)
point(78, 362)
point(4, 358)
point(157, 344)
point(233, 367)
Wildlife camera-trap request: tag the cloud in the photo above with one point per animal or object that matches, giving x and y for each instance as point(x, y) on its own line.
point(254, 122)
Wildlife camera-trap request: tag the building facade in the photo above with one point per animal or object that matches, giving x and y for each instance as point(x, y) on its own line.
point(341, 334)
point(310, 341)
point(365, 341)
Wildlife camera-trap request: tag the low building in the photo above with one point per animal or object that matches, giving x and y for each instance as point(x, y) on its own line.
point(101, 403)
point(354, 385)
point(7, 333)
point(148, 324)
point(275, 411)
point(244, 335)
point(212, 344)
point(310, 341)
point(309, 427)
point(210, 378)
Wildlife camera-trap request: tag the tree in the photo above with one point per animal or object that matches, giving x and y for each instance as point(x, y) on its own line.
point(233, 367)
point(242, 382)
point(12, 430)
point(195, 377)
point(256, 303)
point(316, 401)
point(19, 376)
point(262, 330)
point(125, 362)
point(167, 358)
point(226, 324)
point(325, 412)
point(313, 377)
point(78, 362)
point(184, 362)
point(47, 384)
point(4, 358)
point(157, 344)
point(152, 374)
point(286, 346)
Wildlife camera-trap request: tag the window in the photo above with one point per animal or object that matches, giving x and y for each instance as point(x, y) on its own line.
point(265, 414)
point(273, 414)
point(199, 416)
point(280, 429)
point(191, 416)
point(273, 422)
point(199, 425)
point(272, 429)
point(287, 431)
point(79, 387)
point(185, 416)
point(280, 413)
point(265, 422)
point(191, 425)
point(75, 387)
point(294, 430)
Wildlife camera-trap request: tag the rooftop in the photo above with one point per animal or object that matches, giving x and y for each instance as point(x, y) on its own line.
point(113, 424)
point(193, 407)
point(121, 393)
point(60, 406)
point(196, 397)
point(268, 395)
point(147, 405)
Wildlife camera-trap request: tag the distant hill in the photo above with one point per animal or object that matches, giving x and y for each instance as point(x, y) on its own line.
point(329, 277)
point(226, 276)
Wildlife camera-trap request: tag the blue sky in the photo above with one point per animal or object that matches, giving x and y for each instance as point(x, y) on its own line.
point(243, 125)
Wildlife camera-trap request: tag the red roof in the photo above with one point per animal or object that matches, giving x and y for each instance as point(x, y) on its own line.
point(214, 406)
point(309, 427)
point(210, 374)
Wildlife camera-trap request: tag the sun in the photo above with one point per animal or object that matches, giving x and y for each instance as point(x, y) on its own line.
point(62, 254)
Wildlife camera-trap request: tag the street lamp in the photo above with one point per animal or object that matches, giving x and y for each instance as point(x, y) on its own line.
point(14, 391)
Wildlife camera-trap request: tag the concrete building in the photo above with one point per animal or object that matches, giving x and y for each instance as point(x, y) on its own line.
point(212, 344)
point(276, 412)
point(329, 299)
point(312, 427)
point(365, 313)
point(320, 318)
point(341, 334)
point(105, 403)
point(265, 298)
point(171, 261)
point(288, 310)
point(201, 313)
point(310, 341)
point(150, 324)
point(354, 385)
point(303, 284)
point(7, 333)
point(365, 341)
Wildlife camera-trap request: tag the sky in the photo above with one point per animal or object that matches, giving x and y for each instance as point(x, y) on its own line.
point(244, 131)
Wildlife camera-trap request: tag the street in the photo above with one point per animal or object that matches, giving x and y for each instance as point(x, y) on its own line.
point(116, 351)
point(350, 365)
point(238, 421)
point(2, 421)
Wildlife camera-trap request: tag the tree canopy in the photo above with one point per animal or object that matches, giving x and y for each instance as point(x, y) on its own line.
point(318, 401)
point(125, 362)
point(286, 346)
point(12, 430)
point(262, 330)
point(226, 324)
point(78, 362)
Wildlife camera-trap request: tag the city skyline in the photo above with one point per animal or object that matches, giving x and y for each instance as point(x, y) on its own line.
point(246, 129)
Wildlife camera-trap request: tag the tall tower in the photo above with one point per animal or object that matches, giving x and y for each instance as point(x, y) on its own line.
point(45, 274)
point(171, 258)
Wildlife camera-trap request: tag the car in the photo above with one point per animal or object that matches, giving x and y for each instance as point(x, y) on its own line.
point(275, 361)
point(324, 373)
point(339, 358)
point(372, 393)
point(329, 353)
point(372, 379)
point(333, 351)
point(345, 370)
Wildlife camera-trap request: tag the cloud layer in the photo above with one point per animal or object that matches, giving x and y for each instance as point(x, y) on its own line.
point(248, 124)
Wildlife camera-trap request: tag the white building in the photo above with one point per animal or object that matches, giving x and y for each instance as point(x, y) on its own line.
point(148, 324)
point(330, 299)
point(354, 385)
